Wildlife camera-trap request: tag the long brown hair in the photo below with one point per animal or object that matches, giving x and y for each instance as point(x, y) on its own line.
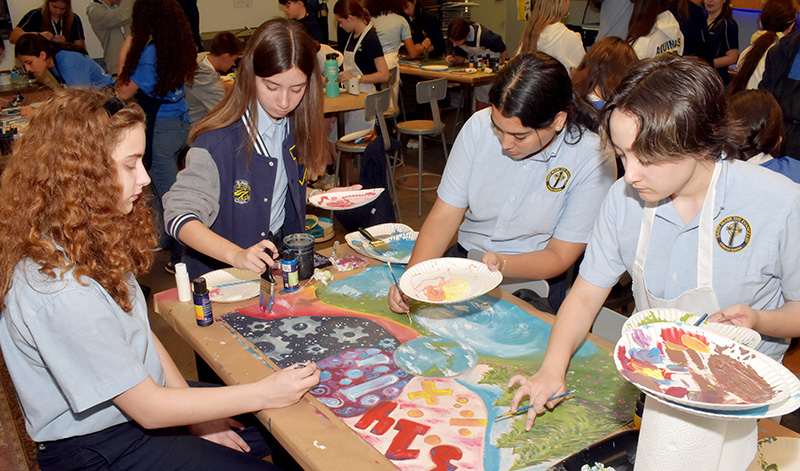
point(60, 197)
point(758, 115)
point(543, 14)
point(776, 17)
point(643, 18)
point(345, 8)
point(66, 19)
point(603, 67)
point(277, 46)
point(163, 23)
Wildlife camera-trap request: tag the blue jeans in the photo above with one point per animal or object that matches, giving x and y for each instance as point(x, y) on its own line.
point(169, 137)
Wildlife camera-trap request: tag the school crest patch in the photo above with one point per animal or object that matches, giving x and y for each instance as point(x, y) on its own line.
point(557, 179)
point(733, 233)
point(241, 192)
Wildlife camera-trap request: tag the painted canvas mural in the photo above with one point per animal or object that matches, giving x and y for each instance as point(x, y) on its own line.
point(426, 393)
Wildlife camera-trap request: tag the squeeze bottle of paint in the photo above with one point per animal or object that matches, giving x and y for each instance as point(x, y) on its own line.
point(182, 280)
point(291, 279)
point(332, 72)
point(202, 302)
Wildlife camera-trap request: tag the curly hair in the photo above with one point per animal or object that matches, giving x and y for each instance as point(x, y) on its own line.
point(277, 46)
point(60, 197)
point(163, 23)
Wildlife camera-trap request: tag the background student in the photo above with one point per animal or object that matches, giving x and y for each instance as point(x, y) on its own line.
point(424, 26)
point(111, 22)
point(55, 21)
point(207, 89)
point(472, 39)
point(721, 38)
point(545, 32)
point(296, 10)
point(667, 122)
point(69, 65)
point(653, 30)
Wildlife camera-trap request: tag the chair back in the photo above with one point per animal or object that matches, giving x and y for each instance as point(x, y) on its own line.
point(394, 74)
point(431, 91)
point(375, 105)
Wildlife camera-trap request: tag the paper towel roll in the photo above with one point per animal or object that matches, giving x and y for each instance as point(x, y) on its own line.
point(674, 440)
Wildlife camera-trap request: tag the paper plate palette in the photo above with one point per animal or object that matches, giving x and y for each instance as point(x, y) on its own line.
point(448, 280)
point(439, 68)
point(241, 285)
point(743, 335)
point(344, 199)
point(467, 71)
point(777, 454)
point(400, 237)
point(690, 366)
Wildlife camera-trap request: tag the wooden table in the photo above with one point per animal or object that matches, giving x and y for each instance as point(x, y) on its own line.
point(344, 102)
point(318, 438)
point(467, 82)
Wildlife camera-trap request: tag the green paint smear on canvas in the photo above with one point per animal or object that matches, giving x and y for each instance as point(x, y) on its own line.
point(603, 402)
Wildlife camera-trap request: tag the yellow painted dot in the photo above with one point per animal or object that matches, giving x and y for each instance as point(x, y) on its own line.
point(432, 440)
point(466, 413)
point(462, 400)
point(415, 413)
point(464, 432)
point(456, 405)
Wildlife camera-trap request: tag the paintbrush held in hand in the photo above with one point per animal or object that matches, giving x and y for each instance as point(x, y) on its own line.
point(379, 245)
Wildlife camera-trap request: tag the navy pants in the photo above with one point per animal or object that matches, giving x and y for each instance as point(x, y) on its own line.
point(129, 447)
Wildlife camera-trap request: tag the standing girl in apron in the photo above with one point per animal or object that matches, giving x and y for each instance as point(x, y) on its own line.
point(695, 229)
point(363, 57)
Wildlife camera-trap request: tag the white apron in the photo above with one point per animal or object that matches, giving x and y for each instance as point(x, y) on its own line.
point(725, 445)
point(701, 299)
point(481, 91)
point(354, 120)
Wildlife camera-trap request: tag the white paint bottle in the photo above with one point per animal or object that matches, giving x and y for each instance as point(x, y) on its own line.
point(182, 280)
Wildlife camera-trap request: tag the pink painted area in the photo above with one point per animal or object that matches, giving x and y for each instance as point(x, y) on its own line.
point(305, 303)
point(461, 444)
point(168, 295)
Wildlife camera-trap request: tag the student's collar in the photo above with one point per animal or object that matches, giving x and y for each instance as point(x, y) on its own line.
point(267, 127)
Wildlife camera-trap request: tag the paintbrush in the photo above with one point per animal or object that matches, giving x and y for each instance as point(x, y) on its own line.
point(233, 283)
point(702, 318)
point(396, 283)
point(523, 409)
point(379, 245)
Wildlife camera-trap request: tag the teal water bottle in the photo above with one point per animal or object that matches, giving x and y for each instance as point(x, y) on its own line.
point(332, 72)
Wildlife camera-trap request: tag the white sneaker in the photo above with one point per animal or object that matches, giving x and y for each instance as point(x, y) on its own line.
point(413, 144)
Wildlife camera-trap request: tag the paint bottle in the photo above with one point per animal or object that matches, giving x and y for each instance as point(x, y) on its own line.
point(202, 302)
point(291, 279)
point(182, 281)
point(638, 411)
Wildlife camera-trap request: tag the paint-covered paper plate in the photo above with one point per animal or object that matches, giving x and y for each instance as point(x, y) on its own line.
point(743, 335)
point(467, 71)
point(788, 406)
point(355, 135)
point(402, 243)
point(336, 200)
point(777, 454)
point(448, 280)
point(439, 68)
point(239, 285)
point(691, 366)
point(13, 111)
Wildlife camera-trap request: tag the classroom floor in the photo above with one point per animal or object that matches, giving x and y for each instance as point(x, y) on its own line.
point(158, 279)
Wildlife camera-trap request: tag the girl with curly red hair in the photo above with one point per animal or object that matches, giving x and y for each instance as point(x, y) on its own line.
point(93, 380)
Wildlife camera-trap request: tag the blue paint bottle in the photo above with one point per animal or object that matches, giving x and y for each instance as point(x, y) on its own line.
point(291, 278)
point(202, 302)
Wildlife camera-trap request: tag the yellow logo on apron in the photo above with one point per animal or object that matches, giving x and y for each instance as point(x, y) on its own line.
point(557, 179)
point(733, 233)
point(241, 192)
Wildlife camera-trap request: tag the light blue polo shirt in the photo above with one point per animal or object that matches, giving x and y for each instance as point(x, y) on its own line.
point(517, 206)
point(274, 133)
point(145, 77)
point(392, 30)
point(70, 350)
point(756, 249)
